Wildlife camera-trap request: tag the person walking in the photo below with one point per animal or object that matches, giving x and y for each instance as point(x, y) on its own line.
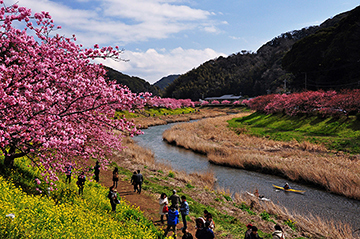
point(163, 202)
point(112, 195)
point(248, 232)
point(278, 233)
point(81, 182)
point(173, 220)
point(97, 171)
point(134, 180)
point(174, 199)
point(115, 177)
point(140, 179)
point(184, 209)
point(68, 172)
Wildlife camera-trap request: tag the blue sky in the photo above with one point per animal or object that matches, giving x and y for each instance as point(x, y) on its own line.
point(163, 37)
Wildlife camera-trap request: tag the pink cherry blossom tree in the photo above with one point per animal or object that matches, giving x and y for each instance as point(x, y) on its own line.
point(56, 107)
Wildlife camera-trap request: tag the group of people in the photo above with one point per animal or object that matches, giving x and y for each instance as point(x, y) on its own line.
point(137, 180)
point(252, 233)
point(81, 178)
point(204, 227)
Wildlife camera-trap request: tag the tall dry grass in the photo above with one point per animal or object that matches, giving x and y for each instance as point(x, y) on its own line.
point(303, 162)
point(309, 227)
point(134, 156)
point(146, 122)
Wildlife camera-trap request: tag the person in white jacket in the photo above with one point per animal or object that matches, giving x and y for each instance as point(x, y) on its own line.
point(278, 233)
point(163, 201)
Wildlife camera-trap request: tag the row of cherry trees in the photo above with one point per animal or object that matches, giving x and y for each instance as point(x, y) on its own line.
point(326, 103)
point(170, 103)
point(56, 106)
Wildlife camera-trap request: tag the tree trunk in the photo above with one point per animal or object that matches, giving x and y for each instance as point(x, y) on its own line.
point(9, 161)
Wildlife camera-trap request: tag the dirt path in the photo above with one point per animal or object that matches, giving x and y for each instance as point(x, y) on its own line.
point(147, 203)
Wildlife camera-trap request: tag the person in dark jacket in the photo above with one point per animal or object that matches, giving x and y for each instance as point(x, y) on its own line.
point(174, 199)
point(115, 177)
point(140, 180)
point(205, 232)
point(254, 234)
point(173, 220)
point(187, 234)
point(184, 209)
point(134, 181)
point(81, 182)
point(97, 171)
point(112, 195)
point(248, 232)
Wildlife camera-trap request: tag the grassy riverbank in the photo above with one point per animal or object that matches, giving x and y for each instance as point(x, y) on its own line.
point(335, 133)
point(337, 173)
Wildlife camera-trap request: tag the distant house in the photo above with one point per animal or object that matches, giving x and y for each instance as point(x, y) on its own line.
point(230, 98)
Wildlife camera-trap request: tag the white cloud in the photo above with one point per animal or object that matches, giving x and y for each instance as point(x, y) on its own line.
point(122, 21)
point(152, 64)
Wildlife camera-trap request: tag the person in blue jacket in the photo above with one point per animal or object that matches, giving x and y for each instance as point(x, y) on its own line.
point(184, 210)
point(173, 220)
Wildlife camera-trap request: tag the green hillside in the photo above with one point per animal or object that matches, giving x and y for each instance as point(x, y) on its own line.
point(262, 72)
point(165, 81)
point(135, 84)
point(328, 59)
point(340, 134)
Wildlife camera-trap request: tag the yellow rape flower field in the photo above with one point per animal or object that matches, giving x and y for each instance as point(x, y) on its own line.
point(67, 215)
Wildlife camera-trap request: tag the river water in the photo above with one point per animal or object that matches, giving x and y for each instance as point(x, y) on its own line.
point(313, 201)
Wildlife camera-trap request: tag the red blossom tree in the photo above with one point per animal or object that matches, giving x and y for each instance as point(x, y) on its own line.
point(56, 106)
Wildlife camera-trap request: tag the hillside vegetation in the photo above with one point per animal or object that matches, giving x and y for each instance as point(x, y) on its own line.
point(331, 46)
point(329, 59)
point(135, 84)
point(335, 133)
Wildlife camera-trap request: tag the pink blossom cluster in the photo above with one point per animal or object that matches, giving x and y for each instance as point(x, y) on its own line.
point(326, 103)
point(205, 102)
point(237, 102)
point(170, 103)
point(225, 102)
point(56, 106)
point(215, 102)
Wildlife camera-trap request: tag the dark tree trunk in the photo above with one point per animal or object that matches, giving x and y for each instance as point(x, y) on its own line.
point(9, 161)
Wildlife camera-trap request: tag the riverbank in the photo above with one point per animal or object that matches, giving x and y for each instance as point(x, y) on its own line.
point(192, 114)
point(232, 214)
point(301, 162)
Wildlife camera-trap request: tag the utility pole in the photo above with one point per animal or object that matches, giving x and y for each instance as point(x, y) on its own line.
point(285, 85)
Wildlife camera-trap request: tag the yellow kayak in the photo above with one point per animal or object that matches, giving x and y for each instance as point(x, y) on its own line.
point(288, 190)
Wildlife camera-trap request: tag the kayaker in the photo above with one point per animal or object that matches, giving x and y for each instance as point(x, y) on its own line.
point(286, 186)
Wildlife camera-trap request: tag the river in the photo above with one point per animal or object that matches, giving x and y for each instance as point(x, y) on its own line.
point(314, 201)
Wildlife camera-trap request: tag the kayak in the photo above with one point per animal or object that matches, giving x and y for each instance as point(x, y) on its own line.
point(288, 190)
point(260, 198)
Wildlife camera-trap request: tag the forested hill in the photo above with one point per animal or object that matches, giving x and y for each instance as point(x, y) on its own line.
point(135, 84)
point(165, 81)
point(245, 73)
point(330, 58)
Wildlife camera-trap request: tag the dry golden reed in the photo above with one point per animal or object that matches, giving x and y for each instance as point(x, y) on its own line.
point(304, 162)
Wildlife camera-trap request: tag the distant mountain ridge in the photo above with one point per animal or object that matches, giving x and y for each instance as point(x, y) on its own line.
point(165, 81)
point(135, 84)
point(247, 73)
